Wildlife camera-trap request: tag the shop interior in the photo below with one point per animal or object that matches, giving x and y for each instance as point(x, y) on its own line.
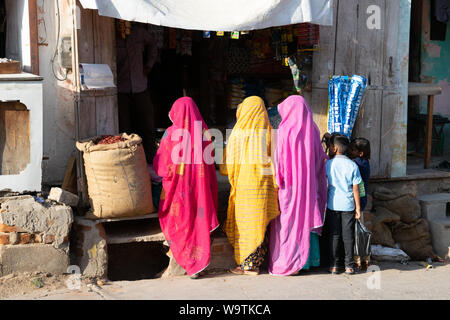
point(417, 105)
point(219, 69)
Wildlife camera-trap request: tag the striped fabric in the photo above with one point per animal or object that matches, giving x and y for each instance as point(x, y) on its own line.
point(253, 199)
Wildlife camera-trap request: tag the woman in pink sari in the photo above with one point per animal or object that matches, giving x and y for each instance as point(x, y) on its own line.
point(301, 177)
point(188, 205)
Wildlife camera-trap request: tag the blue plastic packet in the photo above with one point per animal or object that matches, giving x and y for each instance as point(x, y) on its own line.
point(357, 87)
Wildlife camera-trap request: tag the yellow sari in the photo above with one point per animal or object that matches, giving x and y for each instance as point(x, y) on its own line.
point(253, 199)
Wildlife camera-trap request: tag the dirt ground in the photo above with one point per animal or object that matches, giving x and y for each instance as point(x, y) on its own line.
point(25, 283)
point(397, 281)
point(22, 284)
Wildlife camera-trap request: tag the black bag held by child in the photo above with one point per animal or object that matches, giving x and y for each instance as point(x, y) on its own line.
point(362, 240)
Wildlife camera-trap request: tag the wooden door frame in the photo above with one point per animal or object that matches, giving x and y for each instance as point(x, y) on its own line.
point(34, 46)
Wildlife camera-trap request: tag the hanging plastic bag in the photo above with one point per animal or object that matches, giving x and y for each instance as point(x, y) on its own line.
point(362, 240)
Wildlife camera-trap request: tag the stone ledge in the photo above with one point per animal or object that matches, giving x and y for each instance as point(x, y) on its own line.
point(32, 258)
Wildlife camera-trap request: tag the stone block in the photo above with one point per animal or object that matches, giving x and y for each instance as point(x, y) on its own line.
point(222, 258)
point(440, 237)
point(32, 217)
point(222, 254)
point(63, 196)
point(173, 269)
point(32, 258)
point(434, 206)
point(91, 248)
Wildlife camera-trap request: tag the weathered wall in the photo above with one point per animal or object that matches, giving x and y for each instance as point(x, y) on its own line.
point(59, 118)
point(435, 68)
point(381, 55)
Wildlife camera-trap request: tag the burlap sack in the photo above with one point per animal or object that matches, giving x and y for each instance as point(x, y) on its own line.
point(402, 201)
point(380, 221)
point(381, 234)
point(117, 176)
point(414, 239)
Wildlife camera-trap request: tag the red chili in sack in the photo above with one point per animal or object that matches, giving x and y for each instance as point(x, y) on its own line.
point(110, 139)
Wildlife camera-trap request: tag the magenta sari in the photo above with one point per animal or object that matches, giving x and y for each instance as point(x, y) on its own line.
point(301, 177)
point(188, 205)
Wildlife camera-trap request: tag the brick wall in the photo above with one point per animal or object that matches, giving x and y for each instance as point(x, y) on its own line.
point(15, 236)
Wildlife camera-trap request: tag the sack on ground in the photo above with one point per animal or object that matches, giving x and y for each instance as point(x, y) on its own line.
point(401, 201)
point(414, 239)
point(117, 176)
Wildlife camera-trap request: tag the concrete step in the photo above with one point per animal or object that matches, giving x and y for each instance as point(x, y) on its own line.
point(440, 237)
point(435, 206)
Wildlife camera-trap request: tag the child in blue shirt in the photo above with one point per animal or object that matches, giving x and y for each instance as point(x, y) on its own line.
point(343, 204)
point(360, 153)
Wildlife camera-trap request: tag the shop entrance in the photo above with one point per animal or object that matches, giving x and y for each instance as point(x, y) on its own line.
point(217, 69)
point(426, 35)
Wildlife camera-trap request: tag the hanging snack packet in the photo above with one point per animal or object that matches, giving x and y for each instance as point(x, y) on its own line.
point(336, 106)
point(206, 34)
point(235, 35)
point(219, 33)
point(330, 103)
point(357, 87)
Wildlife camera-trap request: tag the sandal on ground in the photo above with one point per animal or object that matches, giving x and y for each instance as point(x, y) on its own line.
point(198, 275)
point(349, 271)
point(334, 270)
point(240, 271)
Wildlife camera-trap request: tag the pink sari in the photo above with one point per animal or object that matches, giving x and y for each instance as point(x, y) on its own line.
point(301, 177)
point(188, 205)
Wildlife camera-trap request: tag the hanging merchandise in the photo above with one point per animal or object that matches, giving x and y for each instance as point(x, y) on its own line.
point(238, 60)
point(244, 32)
point(308, 35)
point(301, 68)
point(124, 28)
point(237, 93)
point(345, 97)
point(172, 38)
point(357, 87)
point(206, 34)
point(219, 33)
point(186, 43)
point(292, 62)
point(235, 35)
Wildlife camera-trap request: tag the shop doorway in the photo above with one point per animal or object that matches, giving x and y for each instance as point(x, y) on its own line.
point(426, 33)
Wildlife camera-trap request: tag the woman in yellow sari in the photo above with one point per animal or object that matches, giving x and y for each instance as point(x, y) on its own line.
point(253, 199)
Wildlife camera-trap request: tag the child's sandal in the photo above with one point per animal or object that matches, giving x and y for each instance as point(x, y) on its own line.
point(349, 271)
point(334, 270)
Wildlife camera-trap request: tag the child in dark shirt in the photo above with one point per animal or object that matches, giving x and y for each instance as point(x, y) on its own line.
point(360, 153)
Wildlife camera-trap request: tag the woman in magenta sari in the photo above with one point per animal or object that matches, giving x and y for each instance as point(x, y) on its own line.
point(188, 205)
point(301, 177)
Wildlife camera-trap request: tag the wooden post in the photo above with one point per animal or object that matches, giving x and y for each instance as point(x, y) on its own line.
point(34, 47)
point(429, 131)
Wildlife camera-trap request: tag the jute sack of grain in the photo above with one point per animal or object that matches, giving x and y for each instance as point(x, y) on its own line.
point(382, 219)
point(117, 177)
point(414, 239)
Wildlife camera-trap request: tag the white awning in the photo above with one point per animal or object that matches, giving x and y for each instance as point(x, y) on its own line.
point(216, 15)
